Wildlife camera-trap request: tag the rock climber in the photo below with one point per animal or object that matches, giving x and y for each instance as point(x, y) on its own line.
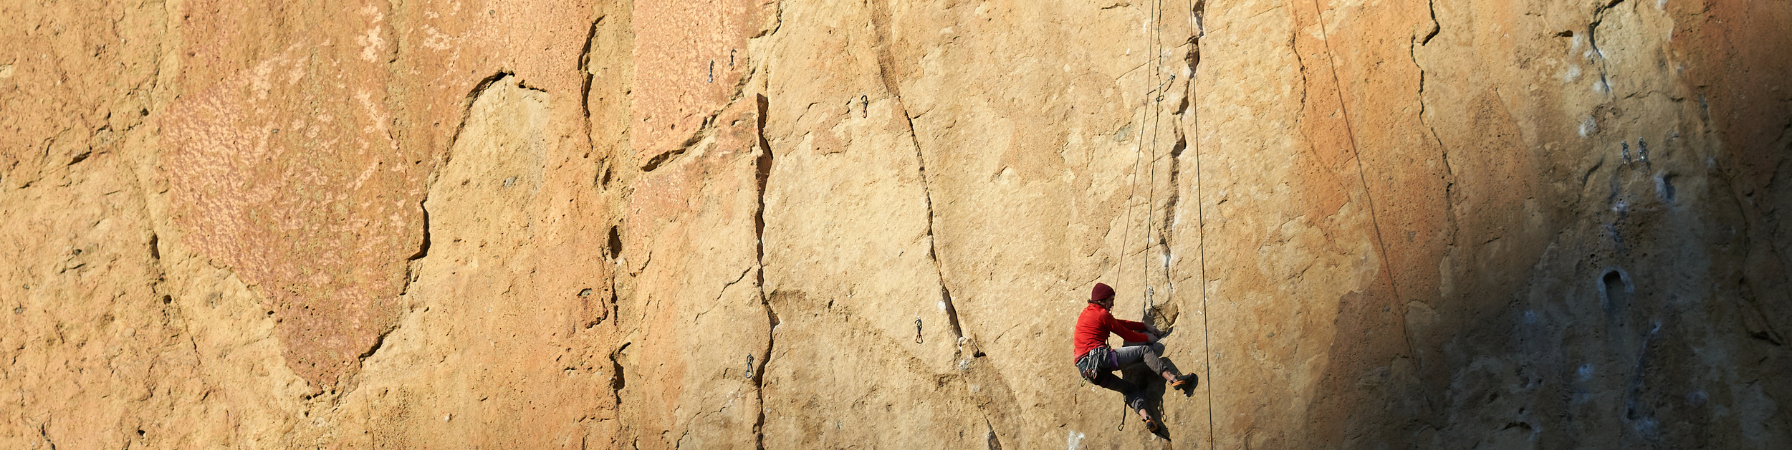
point(1096, 361)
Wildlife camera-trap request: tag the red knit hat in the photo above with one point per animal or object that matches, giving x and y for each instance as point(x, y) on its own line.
point(1101, 291)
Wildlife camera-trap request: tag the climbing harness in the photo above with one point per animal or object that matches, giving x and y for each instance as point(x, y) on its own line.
point(1089, 365)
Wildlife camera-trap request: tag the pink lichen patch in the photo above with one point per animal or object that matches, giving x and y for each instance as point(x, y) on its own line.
point(296, 184)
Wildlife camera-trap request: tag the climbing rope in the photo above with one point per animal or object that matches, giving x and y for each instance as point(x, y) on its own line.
point(1201, 222)
point(1357, 155)
point(1156, 96)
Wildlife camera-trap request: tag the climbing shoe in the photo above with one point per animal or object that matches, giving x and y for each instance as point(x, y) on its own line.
point(1185, 382)
point(1151, 425)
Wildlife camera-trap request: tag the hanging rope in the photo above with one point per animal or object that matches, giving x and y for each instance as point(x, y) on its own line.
point(1357, 155)
point(1157, 104)
point(1156, 96)
point(1126, 233)
point(1201, 222)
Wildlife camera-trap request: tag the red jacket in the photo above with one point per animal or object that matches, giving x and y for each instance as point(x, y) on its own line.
point(1093, 326)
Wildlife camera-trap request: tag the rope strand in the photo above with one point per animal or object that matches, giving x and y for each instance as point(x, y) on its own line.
point(1201, 222)
point(1157, 94)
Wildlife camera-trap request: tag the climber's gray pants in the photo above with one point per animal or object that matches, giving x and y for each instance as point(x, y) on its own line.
point(1140, 352)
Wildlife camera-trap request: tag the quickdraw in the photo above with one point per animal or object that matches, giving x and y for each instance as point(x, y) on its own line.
point(917, 330)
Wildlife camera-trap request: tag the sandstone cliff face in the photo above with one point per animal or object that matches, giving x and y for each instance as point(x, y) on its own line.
point(792, 224)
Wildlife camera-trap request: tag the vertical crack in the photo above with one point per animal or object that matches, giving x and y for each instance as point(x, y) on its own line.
point(1157, 114)
point(951, 311)
point(764, 172)
point(1431, 129)
point(994, 442)
point(617, 381)
point(886, 71)
point(1167, 224)
point(586, 76)
point(1639, 415)
point(422, 249)
point(1300, 64)
point(1450, 219)
point(932, 239)
point(1192, 59)
point(43, 433)
point(1170, 204)
point(1605, 83)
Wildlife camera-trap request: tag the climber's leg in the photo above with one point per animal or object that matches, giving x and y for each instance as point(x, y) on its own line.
point(1135, 394)
point(1114, 383)
point(1140, 352)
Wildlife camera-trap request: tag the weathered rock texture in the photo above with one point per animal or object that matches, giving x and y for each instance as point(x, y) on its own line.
point(802, 224)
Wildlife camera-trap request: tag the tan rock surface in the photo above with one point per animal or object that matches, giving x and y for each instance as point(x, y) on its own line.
point(797, 224)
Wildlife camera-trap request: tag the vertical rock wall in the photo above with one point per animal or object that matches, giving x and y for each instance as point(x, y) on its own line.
point(799, 224)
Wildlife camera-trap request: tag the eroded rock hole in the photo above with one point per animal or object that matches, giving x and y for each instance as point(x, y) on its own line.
point(1616, 288)
point(422, 247)
point(614, 246)
point(617, 382)
point(1664, 187)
